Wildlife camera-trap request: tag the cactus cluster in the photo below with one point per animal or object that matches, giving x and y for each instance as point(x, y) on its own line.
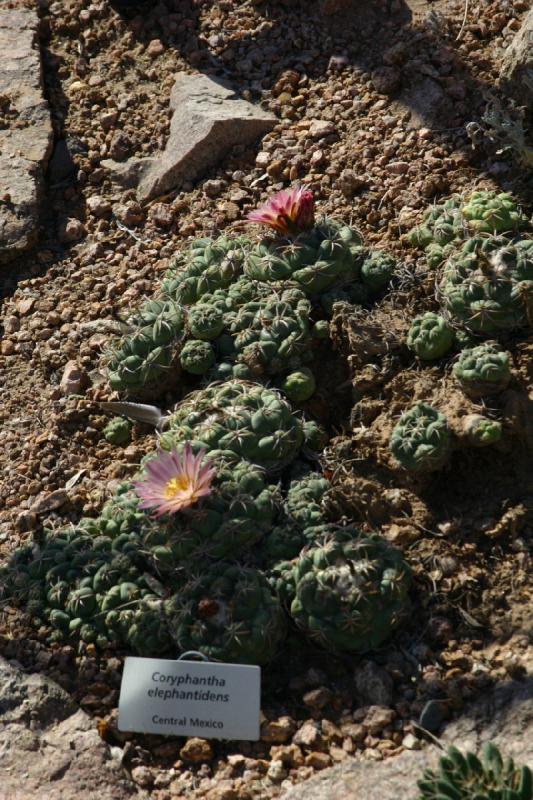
point(147, 355)
point(217, 569)
point(118, 431)
point(446, 225)
point(268, 335)
point(83, 585)
point(238, 512)
point(199, 580)
point(206, 266)
point(467, 777)
point(330, 254)
point(224, 532)
point(230, 309)
point(488, 284)
point(491, 213)
point(485, 288)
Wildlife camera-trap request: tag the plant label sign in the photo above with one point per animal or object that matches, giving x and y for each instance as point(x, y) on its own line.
point(190, 698)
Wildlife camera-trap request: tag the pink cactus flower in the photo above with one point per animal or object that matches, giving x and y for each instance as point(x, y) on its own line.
point(288, 212)
point(174, 481)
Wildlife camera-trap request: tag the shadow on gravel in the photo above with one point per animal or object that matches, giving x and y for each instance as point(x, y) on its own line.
point(417, 66)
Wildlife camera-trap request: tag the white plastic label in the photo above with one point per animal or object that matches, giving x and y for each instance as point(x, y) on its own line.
point(190, 698)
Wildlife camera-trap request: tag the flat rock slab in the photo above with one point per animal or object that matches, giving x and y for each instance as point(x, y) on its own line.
point(25, 131)
point(394, 779)
point(504, 716)
point(517, 68)
point(208, 120)
point(49, 748)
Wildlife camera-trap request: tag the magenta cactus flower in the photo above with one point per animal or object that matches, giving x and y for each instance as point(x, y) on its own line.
point(174, 481)
point(288, 212)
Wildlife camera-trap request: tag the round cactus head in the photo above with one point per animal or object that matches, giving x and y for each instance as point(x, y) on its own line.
point(271, 333)
point(466, 777)
point(197, 356)
point(488, 284)
point(430, 336)
point(118, 431)
point(483, 370)
point(300, 385)
point(240, 418)
point(205, 321)
point(420, 442)
point(348, 592)
point(377, 270)
point(303, 503)
point(328, 255)
point(229, 614)
point(492, 213)
point(481, 431)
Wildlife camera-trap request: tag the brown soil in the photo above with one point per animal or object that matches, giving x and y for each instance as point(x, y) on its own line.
point(399, 87)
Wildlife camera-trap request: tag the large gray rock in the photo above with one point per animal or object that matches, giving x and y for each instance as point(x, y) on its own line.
point(208, 120)
point(25, 131)
point(394, 779)
point(517, 68)
point(49, 748)
point(504, 716)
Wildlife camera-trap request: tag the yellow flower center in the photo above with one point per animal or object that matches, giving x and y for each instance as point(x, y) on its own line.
point(175, 486)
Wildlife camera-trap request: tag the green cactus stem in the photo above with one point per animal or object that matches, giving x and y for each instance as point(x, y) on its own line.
point(228, 613)
point(420, 442)
point(481, 431)
point(483, 370)
point(118, 431)
point(430, 336)
point(377, 270)
point(299, 386)
point(347, 592)
point(466, 777)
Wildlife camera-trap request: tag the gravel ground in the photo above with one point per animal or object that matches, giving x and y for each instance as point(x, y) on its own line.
point(372, 100)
